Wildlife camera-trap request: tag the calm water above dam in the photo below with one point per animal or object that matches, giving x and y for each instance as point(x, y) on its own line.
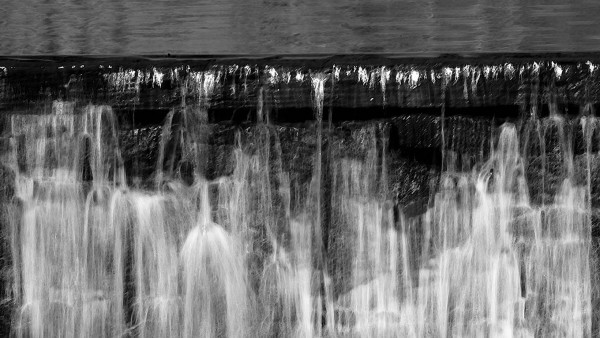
point(297, 26)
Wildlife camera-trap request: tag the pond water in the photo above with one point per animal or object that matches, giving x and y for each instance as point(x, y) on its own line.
point(297, 26)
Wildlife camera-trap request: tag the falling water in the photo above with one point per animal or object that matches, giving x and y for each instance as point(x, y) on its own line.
point(263, 251)
point(493, 265)
point(67, 231)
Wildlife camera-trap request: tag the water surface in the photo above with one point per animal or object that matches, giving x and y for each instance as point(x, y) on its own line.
point(297, 26)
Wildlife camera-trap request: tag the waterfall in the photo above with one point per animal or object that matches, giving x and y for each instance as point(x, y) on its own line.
point(276, 229)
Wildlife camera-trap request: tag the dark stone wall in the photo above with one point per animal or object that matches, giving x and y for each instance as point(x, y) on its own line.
point(416, 98)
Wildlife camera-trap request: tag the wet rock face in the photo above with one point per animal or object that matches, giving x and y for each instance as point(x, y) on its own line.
point(414, 152)
point(233, 87)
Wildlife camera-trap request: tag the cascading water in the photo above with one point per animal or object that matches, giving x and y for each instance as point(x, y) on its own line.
point(260, 250)
point(498, 266)
point(66, 231)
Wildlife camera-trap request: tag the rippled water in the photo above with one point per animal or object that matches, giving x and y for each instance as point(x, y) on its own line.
point(297, 26)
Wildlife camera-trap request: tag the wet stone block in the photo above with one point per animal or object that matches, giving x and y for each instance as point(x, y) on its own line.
point(417, 131)
point(139, 149)
point(411, 183)
point(298, 146)
point(468, 135)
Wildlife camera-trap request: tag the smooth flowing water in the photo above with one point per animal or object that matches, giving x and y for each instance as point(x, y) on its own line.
point(257, 254)
point(136, 27)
